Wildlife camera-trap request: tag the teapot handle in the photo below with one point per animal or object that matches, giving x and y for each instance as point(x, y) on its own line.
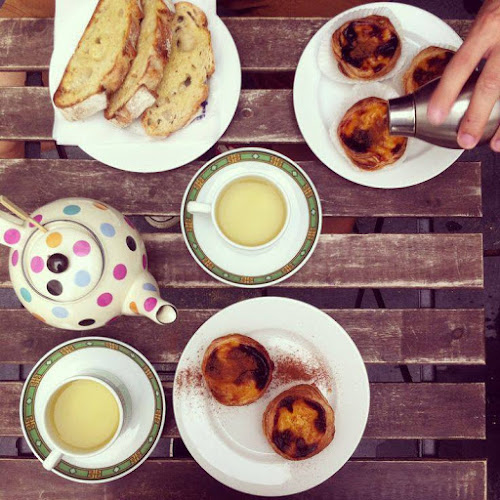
point(12, 230)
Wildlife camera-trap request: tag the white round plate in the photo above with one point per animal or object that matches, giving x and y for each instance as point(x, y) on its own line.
point(228, 441)
point(144, 423)
point(252, 268)
point(315, 96)
point(135, 151)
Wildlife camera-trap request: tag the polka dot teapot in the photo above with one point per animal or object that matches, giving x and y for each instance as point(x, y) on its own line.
point(86, 267)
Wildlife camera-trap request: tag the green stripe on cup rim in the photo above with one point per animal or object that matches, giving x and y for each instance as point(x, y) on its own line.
point(231, 158)
point(40, 447)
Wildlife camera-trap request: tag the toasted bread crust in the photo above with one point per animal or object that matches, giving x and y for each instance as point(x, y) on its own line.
point(145, 95)
point(237, 369)
point(427, 65)
point(153, 119)
point(299, 423)
point(366, 48)
point(112, 80)
point(363, 133)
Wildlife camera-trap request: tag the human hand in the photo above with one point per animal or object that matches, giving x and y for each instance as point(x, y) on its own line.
point(483, 42)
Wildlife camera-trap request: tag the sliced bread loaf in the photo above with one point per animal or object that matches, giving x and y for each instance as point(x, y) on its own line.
point(184, 86)
point(101, 59)
point(137, 92)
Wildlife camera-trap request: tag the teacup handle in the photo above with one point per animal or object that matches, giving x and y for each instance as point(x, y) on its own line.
point(195, 207)
point(52, 460)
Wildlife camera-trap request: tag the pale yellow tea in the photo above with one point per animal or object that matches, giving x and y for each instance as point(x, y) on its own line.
point(83, 416)
point(251, 211)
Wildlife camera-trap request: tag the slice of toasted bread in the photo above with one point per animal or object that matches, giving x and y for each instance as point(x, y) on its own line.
point(237, 369)
point(137, 92)
point(184, 86)
point(101, 59)
point(299, 423)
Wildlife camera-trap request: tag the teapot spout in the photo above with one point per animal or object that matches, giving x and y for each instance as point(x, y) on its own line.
point(144, 299)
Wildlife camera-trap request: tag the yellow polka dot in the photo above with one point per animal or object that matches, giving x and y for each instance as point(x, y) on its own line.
point(133, 307)
point(100, 206)
point(54, 240)
point(39, 318)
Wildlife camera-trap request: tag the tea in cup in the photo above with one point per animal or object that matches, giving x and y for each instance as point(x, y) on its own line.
point(83, 417)
point(250, 211)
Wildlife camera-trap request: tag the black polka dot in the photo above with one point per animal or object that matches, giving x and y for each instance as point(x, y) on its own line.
point(131, 243)
point(54, 287)
point(58, 263)
point(86, 322)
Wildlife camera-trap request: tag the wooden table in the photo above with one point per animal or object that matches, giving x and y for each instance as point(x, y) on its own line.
point(425, 262)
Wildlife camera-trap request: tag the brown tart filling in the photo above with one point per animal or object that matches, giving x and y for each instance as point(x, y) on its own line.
point(364, 135)
point(366, 48)
point(237, 369)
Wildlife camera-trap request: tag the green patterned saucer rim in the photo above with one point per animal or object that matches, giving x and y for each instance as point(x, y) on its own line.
point(284, 164)
point(41, 449)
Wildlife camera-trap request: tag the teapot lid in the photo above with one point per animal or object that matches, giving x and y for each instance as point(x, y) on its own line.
point(64, 264)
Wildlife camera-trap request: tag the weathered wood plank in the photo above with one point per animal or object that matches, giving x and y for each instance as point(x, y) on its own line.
point(26, 44)
point(456, 192)
point(263, 116)
point(340, 260)
point(397, 411)
point(383, 336)
point(185, 480)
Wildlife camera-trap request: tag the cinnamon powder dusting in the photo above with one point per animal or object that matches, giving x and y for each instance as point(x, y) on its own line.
point(190, 379)
point(292, 369)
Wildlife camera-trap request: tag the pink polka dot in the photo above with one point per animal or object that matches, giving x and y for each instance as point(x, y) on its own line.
point(38, 218)
point(144, 261)
point(119, 272)
point(127, 220)
point(15, 258)
point(81, 248)
point(150, 304)
point(37, 264)
point(12, 236)
point(104, 299)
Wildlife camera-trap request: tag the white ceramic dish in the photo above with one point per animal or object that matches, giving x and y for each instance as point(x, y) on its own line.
point(269, 265)
point(142, 425)
point(315, 98)
point(228, 442)
point(134, 150)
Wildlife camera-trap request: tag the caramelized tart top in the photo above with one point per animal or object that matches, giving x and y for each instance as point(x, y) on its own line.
point(237, 369)
point(427, 65)
point(366, 48)
point(364, 135)
point(299, 423)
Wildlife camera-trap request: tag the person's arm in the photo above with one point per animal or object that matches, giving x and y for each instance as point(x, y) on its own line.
point(483, 42)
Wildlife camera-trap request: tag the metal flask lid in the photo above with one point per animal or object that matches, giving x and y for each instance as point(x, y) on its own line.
point(402, 119)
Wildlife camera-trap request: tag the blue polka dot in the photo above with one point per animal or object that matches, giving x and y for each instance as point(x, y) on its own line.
point(107, 230)
point(71, 209)
point(82, 278)
point(149, 286)
point(60, 312)
point(25, 294)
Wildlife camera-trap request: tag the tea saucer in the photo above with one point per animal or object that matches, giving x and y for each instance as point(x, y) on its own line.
point(144, 423)
point(248, 268)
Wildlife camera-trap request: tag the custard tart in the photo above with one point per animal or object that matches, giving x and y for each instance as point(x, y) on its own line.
point(299, 423)
point(366, 48)
point(363, 133)
point(427, 65)
point(237, 369)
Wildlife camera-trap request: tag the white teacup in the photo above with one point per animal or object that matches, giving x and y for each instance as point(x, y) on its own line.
point(59, 448)
point(209, 208)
